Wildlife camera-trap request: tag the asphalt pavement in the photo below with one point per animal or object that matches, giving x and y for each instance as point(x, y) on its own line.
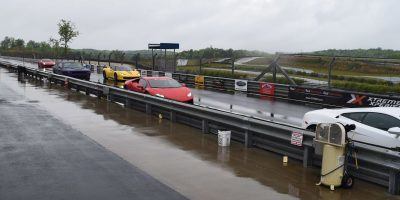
point(43, 158)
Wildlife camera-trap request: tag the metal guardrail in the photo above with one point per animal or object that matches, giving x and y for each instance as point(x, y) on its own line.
point(377, 165)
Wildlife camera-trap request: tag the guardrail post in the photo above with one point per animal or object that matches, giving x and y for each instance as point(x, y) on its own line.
point(308, 156)
point(204, 126)
point(394, 182)
point(21, 70)
point(172, 116)
point(148, 108)
point(106, 91)
point(248, 139)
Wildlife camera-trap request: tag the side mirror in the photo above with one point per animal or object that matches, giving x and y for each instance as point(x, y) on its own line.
point(183, 84)
point(394, 130)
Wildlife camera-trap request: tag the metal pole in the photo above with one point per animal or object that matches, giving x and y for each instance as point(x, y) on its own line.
point(233, 65)
point(98, 59)
point(109, 59)
point(174, 65)
point(137, 60)
point(152, 57)
point(330, 72)
point(165, 59)
point(274, 73)
point(200, 61)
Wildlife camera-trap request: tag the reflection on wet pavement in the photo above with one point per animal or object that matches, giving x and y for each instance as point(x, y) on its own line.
point(182, 157)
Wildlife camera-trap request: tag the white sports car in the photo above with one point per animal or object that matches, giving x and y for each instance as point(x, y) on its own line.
point(379, 126)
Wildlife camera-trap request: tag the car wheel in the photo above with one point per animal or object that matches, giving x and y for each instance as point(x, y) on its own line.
point(115, 77)
point(347, 181)
point(104, 75)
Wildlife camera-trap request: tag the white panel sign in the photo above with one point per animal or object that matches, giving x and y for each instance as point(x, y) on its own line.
point(143, 73)
point(168, 74)
point(155, 73)
point(241, 85)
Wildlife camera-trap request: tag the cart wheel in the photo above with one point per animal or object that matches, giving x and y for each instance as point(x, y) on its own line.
point(347, 181)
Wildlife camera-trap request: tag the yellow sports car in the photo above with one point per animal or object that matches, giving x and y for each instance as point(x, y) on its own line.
point(120, 73)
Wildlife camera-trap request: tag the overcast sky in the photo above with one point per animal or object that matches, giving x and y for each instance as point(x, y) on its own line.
point(268, 25)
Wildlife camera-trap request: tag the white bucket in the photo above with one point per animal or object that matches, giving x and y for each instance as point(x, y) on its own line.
point(224, 138)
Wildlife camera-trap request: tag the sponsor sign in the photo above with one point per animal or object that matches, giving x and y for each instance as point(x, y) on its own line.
point(241, 85)
point(155, 74)
point(296, 139)
point(143, 73)
point(168, 74)
point(316, 95)
point(357, 100)
point(341, 98)
point(199, 80)
point(218, 84)
point(267, 89)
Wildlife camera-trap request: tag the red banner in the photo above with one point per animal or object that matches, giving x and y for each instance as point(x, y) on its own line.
point(267, 89)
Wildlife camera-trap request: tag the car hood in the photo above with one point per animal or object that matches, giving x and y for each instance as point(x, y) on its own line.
point(75, 70)
point(179, 94)
point(327, 112)
point(129, 73)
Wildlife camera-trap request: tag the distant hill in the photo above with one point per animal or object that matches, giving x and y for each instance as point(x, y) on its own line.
point(221, 53)
point(363, 53)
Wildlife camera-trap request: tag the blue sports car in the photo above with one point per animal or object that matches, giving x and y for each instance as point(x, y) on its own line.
point(72, 69)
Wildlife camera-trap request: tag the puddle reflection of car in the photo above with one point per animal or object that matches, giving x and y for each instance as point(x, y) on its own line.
point(72, 69)
point(120, 73)
point(45, 63)
point(163, 87)
point(379, 126)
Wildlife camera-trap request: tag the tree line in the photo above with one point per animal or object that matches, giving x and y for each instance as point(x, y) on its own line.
point(365, 53)
point(51, 48)
point(211, 52)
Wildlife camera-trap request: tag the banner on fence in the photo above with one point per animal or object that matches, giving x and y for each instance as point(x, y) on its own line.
point(199, 81)
point(155, 74)
point(143, 73)
point(358, 100)
point(316, 95)
point(267, 89)
point(168, 74)
point(241, 85)
point(218, 84)
point(341, 98)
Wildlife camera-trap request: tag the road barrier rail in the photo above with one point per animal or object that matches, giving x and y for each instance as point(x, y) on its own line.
point(375, 164)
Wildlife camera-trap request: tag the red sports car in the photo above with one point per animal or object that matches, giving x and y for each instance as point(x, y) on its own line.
point(46, 63)
point(164, 87)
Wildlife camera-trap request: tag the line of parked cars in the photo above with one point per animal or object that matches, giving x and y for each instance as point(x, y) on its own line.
point(163, 87)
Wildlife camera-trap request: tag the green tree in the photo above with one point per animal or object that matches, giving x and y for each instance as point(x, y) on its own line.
point(118, 55)
point(67, 31)
point(32, 45)
point(19, 43)
point(7, 42)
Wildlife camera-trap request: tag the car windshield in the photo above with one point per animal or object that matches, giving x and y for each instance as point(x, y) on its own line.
point(164, 83)
point(73, 65)
point(123, 68)
point(46, 60)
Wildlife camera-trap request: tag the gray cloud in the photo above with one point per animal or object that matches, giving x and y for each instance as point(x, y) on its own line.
point(269, 25)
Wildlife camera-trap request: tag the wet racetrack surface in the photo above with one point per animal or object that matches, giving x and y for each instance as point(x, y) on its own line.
point(181, 157)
